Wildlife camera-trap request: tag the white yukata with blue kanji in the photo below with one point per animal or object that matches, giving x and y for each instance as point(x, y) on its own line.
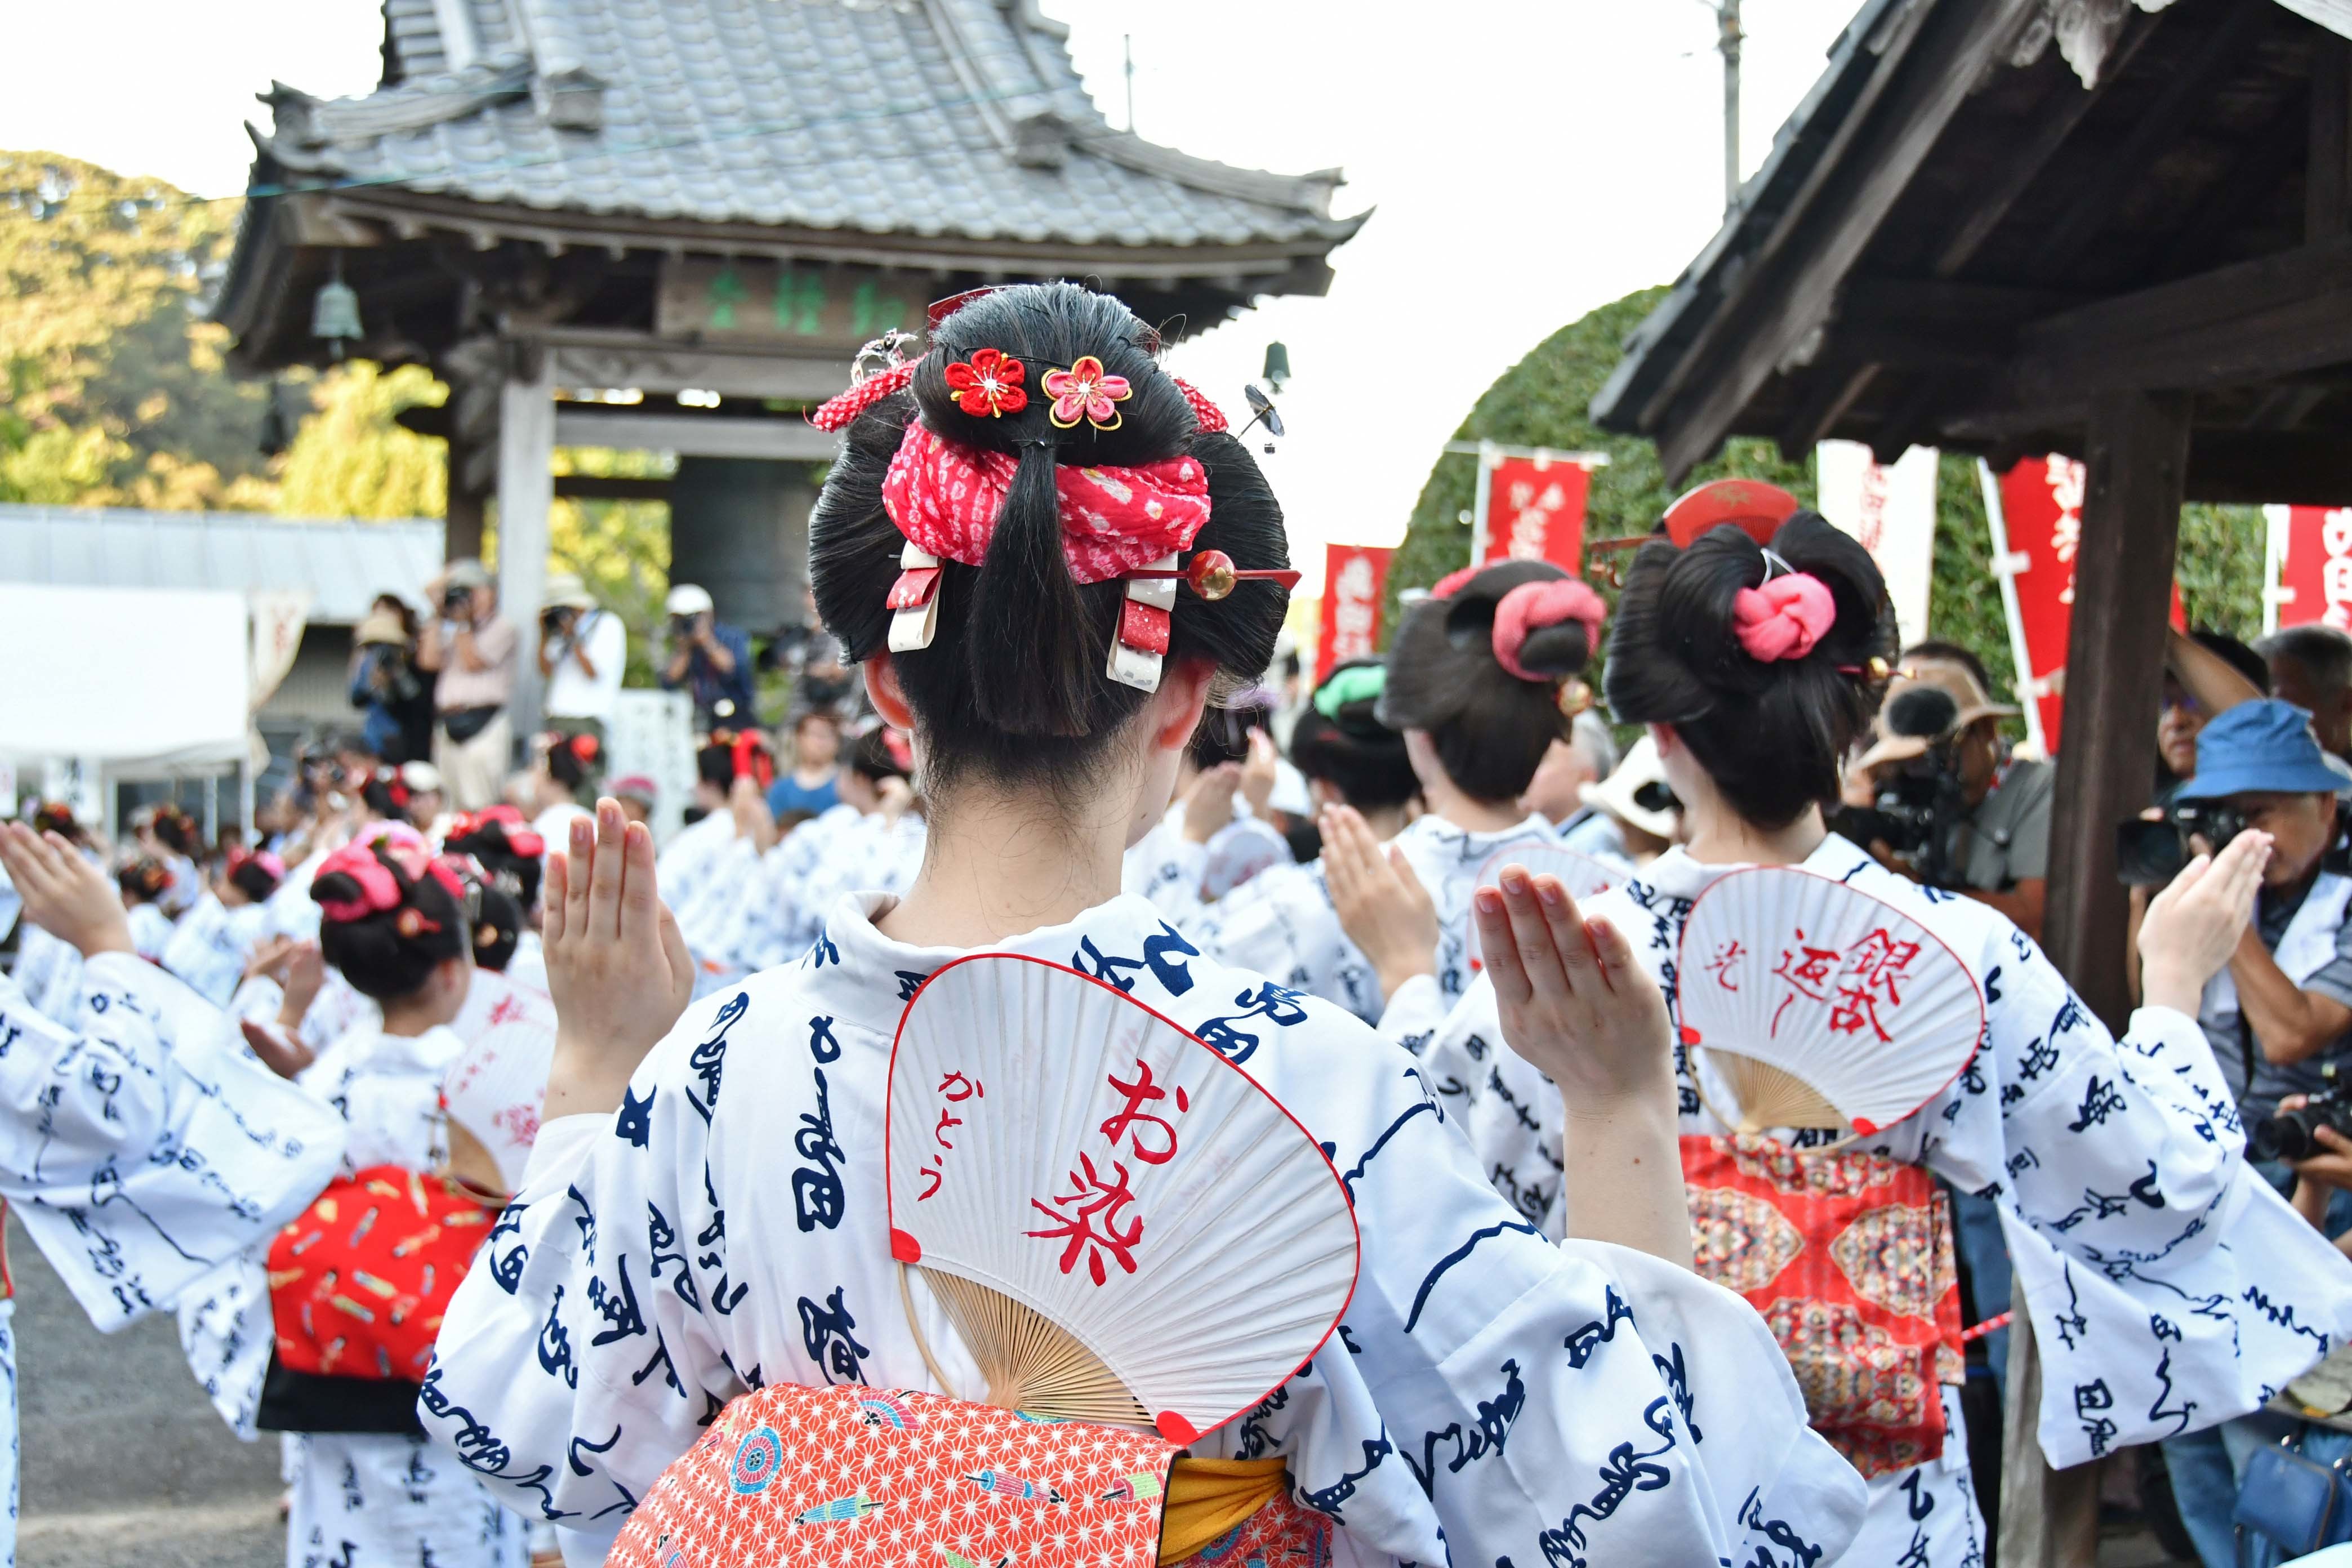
point(141, 1145)
point(1281, 922)
point(1489, 1395)
point(357, 1499)
point(2170, 1287)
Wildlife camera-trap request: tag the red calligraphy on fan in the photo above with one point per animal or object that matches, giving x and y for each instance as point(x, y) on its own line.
point(1090, 1228)
point(1720, 964)
point(956, 1088)
point(1134, 1123)
point(1872, 967)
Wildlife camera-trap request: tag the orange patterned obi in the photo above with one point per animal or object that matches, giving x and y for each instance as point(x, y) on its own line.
point(848, 1477)
point(1849, 1257)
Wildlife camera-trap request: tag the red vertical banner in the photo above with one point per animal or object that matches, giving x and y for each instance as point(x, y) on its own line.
point(1355, 579)
point(2038, 527)
point(2314, 567)
point(1534, 511)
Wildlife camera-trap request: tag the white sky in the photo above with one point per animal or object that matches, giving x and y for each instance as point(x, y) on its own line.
point(1530, 160)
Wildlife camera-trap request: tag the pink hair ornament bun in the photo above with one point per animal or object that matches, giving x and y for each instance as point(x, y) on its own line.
point(1532, 608)
point(1785, 618)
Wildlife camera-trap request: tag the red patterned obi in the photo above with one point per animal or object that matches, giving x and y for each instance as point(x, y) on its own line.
point(1849, 1257)
point(849, 1477)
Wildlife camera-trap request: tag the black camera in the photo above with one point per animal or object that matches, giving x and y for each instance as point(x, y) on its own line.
point(682, 626)
point(2295, 1134)
point(1915, 804)
point(456, 601)
point(556, 618)
point(2150, 853)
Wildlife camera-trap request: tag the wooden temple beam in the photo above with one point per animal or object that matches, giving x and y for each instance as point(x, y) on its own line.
point(2328, 171)
point(604, 487)
point(2017, 172)
point(1787, 294)
point(2265, 467)
point(2156, 130)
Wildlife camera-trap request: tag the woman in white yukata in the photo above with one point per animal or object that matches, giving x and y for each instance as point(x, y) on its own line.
point(396, 926)
point(1473, 682)
point(139, 1145)
point(2170, 1288)
point(143, 882)
point(709, 1217)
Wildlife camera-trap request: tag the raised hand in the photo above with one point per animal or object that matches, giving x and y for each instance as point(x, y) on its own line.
point(617, 965)
point(1209, 804)
point(2192, 926)
point(1258, 773)
point(1576, 1006)
point(1381, 905)
point(64, 894)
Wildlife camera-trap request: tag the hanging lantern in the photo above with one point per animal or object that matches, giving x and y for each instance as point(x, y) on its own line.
point(335, 313)
point(1277, 366)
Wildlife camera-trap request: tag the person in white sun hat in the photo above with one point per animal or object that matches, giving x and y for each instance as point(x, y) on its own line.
point(709, 659)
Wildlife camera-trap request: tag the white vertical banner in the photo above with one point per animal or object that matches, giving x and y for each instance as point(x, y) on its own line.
point(1892, 510)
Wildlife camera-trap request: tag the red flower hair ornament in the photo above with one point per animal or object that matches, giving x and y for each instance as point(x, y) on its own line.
point(989, 385)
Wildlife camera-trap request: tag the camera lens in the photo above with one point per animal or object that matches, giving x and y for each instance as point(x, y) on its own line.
point(2287, 1135)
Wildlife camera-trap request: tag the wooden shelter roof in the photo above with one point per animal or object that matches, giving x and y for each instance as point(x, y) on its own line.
point(1957, 243)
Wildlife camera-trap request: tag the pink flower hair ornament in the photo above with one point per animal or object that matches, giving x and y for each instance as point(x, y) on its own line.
point(1786, 618)
point(1086, 391)
point(1537, 607)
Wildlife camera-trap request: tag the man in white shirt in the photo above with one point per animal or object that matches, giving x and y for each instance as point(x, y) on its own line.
point(581, 649)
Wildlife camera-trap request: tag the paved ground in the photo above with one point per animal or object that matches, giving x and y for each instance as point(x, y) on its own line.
point(124, 1461)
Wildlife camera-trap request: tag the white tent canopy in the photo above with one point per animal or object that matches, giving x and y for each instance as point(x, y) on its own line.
point(144, 680)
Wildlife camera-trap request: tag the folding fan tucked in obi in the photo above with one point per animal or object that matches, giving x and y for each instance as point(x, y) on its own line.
point(1122, 1224)
point(1581, 875)
point(1821, 1006)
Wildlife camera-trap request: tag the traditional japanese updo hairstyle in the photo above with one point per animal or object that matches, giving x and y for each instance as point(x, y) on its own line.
point(177, 831)
point(497, 929)
point(1770, 690)
point(392, 914)
point(257, 875)
point(1481, 665)
point(144, 879)
point(573, 759)
point(1340, 740)
point(879, 754)
point(1012, 688)
point(507, 849)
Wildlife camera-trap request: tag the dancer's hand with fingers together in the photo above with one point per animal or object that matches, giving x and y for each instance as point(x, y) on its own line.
point(1575, 1005)
point(64, 894)
point(617, 964)
point(1381, 905)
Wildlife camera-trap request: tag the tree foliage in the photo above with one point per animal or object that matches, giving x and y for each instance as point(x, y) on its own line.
point(116, 392)
point(1542, 401)
point(350, 458)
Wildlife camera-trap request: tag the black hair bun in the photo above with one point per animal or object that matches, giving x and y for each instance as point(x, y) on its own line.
point(1772, 733)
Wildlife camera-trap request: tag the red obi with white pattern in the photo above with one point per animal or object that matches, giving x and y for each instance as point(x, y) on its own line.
point(851, 1477)
point(1848, 1256)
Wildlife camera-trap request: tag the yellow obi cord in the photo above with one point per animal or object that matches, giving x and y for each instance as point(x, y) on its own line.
point(1208, 1499)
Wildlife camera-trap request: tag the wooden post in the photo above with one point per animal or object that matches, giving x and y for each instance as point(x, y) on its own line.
point(464, 511)
point(2327, 174)
point(526, 492)
point(2138, 458)
point(2137, 452)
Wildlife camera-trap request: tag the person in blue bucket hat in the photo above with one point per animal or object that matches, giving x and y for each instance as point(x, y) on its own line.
point(2278, 1014)
point(2283, 1007)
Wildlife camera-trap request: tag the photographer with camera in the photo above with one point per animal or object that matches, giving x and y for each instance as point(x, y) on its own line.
point(472, 648)
point(2282, 1012)
point(711, 659)
point(582, 648)
point(1937, 797)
